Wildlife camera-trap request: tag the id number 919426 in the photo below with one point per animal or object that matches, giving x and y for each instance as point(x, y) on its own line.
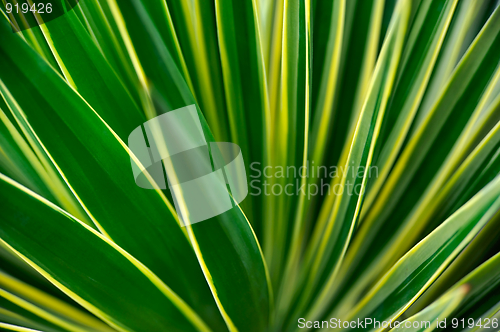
point(471, 323)
point(40, 8)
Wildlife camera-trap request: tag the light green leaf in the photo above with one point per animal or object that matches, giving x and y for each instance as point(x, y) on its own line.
point(359, 52)
point(10, 327)
point(195, 25)
point(245, 88)
point(473, 288)
point(414, 73)
point(440, 309)
point(414, 273)
point(419, 162)
point(47, 307)
point(291, 120)
point(12, 320)
point(326, 255)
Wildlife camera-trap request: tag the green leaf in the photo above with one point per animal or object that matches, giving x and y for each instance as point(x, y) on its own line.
point(491, 318)
point(91, 269)
point(47, 307)
point(99, 174)
point(359, 51)
point(266, 11)
point(14, 162)
point(10, 327)
point(245, 88)
point(225, 246)
point(434, 313)
point(326, 255)
point(459, 36)
point(105, 35)
point(87, 71)
point(420, 54)
point(467, 292)
point(33, 36)
point(477, 251)
point(328, 35)
point(15, 310)
point(10, 321)
point(195, 25)
point(328, 19)
point(291, 119)
point(414, 273)
point(20, 146)
point(374, 247)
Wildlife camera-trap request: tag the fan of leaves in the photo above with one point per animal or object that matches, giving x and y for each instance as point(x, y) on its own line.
point(408, 91)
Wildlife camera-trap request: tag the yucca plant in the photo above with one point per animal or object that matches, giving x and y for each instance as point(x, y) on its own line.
point(370, 135)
